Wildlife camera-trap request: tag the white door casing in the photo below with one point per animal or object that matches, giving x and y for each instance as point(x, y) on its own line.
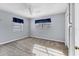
point(69, 29)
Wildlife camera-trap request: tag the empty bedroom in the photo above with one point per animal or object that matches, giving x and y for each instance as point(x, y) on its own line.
point(34, 29)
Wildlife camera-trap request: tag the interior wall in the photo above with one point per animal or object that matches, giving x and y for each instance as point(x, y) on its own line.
point(77, 24)
point(56, 32)
point(6, 27)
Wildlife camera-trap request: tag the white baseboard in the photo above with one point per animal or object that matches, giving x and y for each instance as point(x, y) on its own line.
point(47, 39)
point(13, 40)
point(25, 37)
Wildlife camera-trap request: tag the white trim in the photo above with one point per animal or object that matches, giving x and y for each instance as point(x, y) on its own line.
point(13, 40)
point(47, 39)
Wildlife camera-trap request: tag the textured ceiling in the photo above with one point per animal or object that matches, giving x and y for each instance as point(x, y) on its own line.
point(32, 10)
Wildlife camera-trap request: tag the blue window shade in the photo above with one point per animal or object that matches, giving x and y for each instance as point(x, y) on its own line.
point(43, 21)
point(17, 20)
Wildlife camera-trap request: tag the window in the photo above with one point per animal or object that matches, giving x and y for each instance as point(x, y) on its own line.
point(18, 24)
point(48, 20)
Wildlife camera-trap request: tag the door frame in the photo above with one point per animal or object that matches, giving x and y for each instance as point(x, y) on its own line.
point(71, 50)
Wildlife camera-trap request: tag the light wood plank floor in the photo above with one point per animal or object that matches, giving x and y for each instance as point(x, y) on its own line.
point(33, 47)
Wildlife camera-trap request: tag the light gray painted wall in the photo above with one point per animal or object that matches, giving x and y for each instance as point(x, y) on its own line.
point(6, 28)
point(77, 24)
point(56, 32)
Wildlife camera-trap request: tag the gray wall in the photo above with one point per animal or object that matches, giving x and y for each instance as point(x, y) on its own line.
point(56, 32)
point(77, 24)
point(6, 28)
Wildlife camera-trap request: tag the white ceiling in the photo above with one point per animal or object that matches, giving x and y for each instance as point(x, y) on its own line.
point(32, 10)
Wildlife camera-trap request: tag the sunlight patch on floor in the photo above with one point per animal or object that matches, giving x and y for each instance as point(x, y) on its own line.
point(77, 52)
point(45, 51)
